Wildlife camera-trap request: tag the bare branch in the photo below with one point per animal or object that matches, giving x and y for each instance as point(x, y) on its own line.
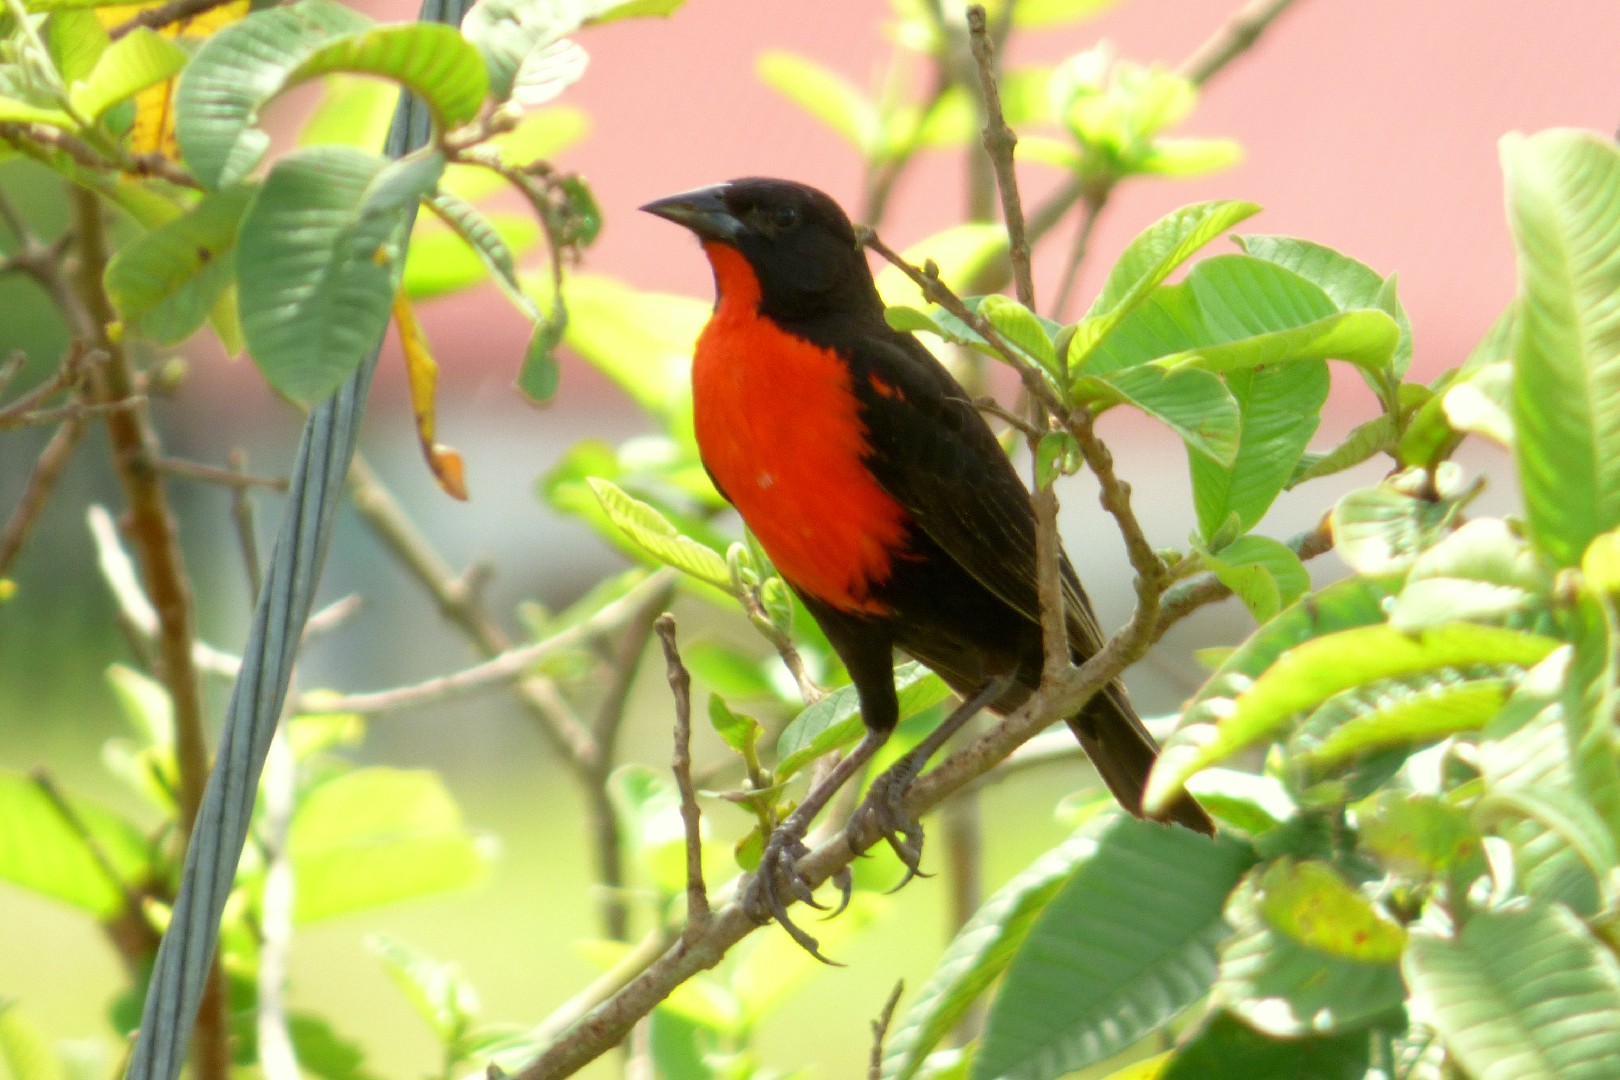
point(504, 667)
point(1235, 37)
point(213, 474)
point(247, 538)
point(166, 15)
point(37, 492)
point(999, 142)
point(880, 1030)
point(680, 684)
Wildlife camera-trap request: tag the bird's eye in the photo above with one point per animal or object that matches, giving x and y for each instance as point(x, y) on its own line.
point(784, 217)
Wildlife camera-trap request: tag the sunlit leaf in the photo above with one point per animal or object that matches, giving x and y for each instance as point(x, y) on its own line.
point(377, 836)
point(1521, 995)
point(1315, 670)
point(1126, 944)
point(835, 720)
point(653, 533)
point(165, 282)
point(54, 849)
point(977, 955)
point(318, 260)
point(129, 65)
point(1564, 207)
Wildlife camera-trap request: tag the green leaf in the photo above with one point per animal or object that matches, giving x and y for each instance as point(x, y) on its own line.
point(1406, 712)
point(139, 59)
point(1146, 262)
point(1575, 821)
point(1521, 995)
point(1416, 836)
point(1364, 338)
point(45, 852)
point(23, 112)
point(1187, 158)
point(486, 242)
point(538, 377)
point(432, 60)
point(441, 261)
point(643, 341)
point(1563, 192)
point(1020, 328)
point(977, 956)
point(523, 43)
point(835, 720)
point(236, 72)
point(377, 836)
point(737, 730)
point(1225, 1047)
point(353, 111)
point(1349, 283)
point(323, 1052)
point(1383, 529)
point(1126, 944)
point(75, 39)
point(1263, 573)
point(25, 1054)
point(318, 262)
point(1373, 437)
point(1278, 412)
point(165, 282)
point(436, 989)
point(1194, 404)
point(654, 534)
point(1312, 905)
point(1315, 670)
point(824, 94)
point(1288, 990)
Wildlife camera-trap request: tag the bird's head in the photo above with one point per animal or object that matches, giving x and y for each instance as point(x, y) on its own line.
point(788, 243)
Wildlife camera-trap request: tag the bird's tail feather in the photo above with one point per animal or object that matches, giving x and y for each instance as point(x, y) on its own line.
point(1123, 753)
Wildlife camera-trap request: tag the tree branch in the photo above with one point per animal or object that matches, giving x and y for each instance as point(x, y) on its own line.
point(999, 142)
point(680, 684)
point(1234, 38)
point(513, 664)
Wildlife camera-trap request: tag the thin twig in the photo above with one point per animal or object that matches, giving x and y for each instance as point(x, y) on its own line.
point(933, 289)
point(330, 617)
point(106, 158)
point(213, 474)
point(154, 535)
point(135, 611)
point(999, 142)
point(880, 1031)
point(1185, 597)
point(458, 600)
point(1091, 208)
point(166, 15)
point(625, 660)
point(505, 667)
point(754, 608)
point(680, 684)
point(1235, 37)
point(37, 492)
point(247, 536)
point(73, 411)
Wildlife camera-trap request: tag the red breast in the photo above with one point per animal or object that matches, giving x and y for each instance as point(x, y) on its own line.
point(780, 429)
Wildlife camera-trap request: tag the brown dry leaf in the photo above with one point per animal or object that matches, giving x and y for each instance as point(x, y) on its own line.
point(423, 374)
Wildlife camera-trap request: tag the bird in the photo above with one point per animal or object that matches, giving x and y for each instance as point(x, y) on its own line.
point(882, 497)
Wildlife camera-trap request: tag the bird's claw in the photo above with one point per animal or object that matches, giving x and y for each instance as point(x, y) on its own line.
point(885, 808)
point(778, 870)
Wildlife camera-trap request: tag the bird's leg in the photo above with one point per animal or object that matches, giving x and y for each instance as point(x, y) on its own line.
point(783, 849)
point(885, 801)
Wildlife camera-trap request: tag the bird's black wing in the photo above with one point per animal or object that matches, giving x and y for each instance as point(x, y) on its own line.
point(933, 452)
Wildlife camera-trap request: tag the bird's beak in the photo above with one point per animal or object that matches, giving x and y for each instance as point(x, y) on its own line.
point(702, 210)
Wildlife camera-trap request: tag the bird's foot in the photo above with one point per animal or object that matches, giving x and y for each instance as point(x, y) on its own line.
point(885, 808)
point(778, 881)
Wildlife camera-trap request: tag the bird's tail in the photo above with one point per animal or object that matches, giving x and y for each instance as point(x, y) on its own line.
point(1123, 752)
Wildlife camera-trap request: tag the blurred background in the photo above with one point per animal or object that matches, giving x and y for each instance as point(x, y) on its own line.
point(1368, 125)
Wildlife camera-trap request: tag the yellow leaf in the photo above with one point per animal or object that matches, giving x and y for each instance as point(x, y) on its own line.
point(423, 374)
point(153, 130)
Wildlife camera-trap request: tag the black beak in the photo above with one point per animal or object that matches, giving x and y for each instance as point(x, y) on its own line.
point(702, 210)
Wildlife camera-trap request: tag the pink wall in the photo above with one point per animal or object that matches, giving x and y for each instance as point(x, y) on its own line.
point(1370, 125)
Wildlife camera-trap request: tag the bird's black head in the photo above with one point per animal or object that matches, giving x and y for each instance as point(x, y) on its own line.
point(799, 244)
